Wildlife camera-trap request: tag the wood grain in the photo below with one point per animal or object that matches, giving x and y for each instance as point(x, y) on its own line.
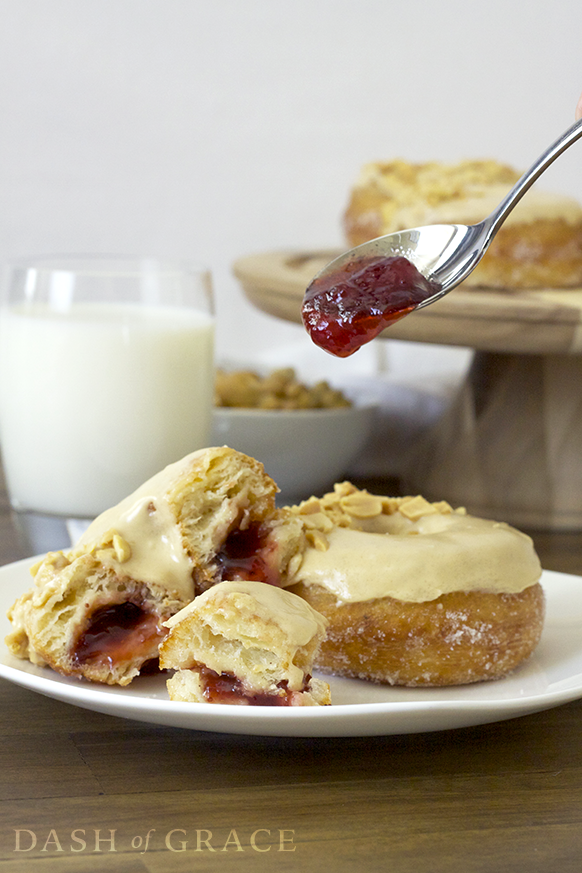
point(422, 802)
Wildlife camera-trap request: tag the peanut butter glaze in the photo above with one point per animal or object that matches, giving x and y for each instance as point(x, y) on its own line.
point(269, 603)
point(412, 550)
point(148, 524)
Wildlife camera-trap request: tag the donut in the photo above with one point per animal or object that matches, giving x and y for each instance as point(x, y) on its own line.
point(416, 593)
point(538, 246)
point(245, 643)
point(97, 611)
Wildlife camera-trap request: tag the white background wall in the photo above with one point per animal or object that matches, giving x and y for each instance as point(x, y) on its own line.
point(211, 129)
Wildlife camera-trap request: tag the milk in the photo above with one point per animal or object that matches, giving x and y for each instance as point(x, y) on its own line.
point(95, 401)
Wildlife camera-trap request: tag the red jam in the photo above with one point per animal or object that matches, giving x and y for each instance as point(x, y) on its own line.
point(227, 688)
point(245, 555)
point(117, 633)
point(346, 309)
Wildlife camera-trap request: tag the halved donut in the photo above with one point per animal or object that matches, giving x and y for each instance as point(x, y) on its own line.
point(98, 610)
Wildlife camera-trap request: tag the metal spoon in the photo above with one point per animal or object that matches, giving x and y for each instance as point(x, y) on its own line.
point(446, 253)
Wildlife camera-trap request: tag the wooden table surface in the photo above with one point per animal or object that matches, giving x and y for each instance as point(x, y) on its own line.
point(82, 791)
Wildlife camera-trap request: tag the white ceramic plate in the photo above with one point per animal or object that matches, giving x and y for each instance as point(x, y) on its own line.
point(552, 677)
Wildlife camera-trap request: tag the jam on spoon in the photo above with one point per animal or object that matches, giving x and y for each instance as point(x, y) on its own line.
point(344, 309)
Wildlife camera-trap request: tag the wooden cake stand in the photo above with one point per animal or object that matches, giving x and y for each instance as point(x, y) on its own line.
point(509, 446)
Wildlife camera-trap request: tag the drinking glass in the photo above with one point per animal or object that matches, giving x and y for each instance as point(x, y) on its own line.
point(106, 376)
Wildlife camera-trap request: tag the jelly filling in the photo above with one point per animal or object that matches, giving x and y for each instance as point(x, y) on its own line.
point(118, 632)
point(245, 555)
point(227, 688)
point(349, 307)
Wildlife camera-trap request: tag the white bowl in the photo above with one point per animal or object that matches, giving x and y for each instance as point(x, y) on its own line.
point(305, 451)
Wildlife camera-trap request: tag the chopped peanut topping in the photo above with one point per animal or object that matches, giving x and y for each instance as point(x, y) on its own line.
point(362, 505)
point(390, 505)
point(111, 547)
point(404, 183)
point(317, 539)
point(414, 508)
point(443, 507)
point(121, 548)
point(294, 564)
point(342, 489)
point(346, 505)
point(311, 506)
point(318, 521)
point(58, 560)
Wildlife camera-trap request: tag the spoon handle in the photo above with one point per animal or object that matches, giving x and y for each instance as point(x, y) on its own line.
point(499, 215)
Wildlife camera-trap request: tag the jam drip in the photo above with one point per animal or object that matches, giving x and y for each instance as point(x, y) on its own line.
point(247, 554)
point(116, 633)
point(344, 310)
point(228, 688)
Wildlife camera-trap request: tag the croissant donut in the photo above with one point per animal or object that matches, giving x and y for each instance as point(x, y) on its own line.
point(416, 593)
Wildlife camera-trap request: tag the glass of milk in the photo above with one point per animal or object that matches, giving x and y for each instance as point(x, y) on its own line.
point(106, 376)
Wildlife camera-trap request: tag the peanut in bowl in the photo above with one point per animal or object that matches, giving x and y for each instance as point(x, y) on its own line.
point(305, 448)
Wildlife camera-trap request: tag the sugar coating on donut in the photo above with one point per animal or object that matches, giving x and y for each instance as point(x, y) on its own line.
point(458, 639)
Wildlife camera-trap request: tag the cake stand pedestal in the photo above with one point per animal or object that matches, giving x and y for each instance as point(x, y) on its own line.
point(509, 446)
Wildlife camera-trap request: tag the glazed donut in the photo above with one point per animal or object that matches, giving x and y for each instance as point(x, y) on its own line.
point(538, 246)
point(245, 643)
point(98, 610)
point(415, 593)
